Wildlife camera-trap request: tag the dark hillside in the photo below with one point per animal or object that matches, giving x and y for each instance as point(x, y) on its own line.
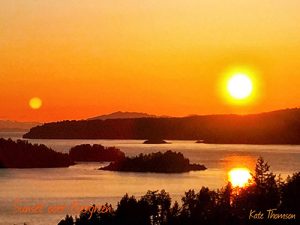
point(278, 127)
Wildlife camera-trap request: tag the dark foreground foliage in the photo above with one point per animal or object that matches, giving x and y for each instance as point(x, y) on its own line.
point(168, 162)
point(21, 154)
point(95, 153)
point(227, 206)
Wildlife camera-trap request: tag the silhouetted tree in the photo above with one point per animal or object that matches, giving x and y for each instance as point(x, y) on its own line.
point(175, 211)
point(67, 221)
point(159, 205)
point(266, 187)
point(199, 208)
point(224, 211)
point(290, 193)
point(127, 212)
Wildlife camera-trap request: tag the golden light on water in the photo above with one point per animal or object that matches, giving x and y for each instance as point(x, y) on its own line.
point(35, 103)
point(239, 177)
point(240, 86)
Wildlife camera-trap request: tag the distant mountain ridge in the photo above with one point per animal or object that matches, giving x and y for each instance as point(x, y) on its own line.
point(277, 127)
point(7, 125)
point(122, 115)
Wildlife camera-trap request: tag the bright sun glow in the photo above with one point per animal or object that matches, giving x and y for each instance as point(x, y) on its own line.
point(240, 86)
point(239, 177)
point(35, 103)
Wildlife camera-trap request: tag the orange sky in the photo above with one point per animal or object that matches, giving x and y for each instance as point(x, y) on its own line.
point(85, 58)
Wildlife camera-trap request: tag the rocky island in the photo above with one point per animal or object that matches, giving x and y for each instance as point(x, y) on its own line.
point(168, 162)
point(155, 141)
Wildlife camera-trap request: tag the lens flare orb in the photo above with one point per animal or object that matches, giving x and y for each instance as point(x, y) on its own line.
point(35, 103)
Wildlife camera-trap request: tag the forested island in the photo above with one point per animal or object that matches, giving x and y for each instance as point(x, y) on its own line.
point(168, 162)
point(278, 127)
point(21, 154)
point(95, 153)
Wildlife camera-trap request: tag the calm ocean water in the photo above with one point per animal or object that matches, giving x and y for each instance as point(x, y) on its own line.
point(82, 184)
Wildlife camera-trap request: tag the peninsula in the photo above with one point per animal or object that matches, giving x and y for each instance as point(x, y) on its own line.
point(21, 154)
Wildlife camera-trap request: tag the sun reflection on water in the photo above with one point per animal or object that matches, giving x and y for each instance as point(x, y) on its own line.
point(239, 177)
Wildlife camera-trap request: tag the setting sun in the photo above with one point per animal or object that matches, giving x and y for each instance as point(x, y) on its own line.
point(35, 103)
point(239, 177)
point(240, 86)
